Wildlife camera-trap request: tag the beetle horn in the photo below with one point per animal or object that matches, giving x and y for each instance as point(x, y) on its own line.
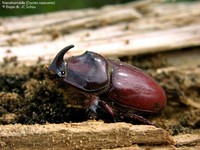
point(59, 58)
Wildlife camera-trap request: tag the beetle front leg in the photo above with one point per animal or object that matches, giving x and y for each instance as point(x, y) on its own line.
point(93, 103)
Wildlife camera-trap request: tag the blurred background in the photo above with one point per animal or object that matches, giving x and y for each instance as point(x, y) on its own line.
point(63, 5)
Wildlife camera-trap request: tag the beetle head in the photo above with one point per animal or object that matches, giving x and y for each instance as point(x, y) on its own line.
point(58, 65)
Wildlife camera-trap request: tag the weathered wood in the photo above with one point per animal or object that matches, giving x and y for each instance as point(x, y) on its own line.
point(123, 45)
point(81, 135)
point(65, 17)
point(186, 139)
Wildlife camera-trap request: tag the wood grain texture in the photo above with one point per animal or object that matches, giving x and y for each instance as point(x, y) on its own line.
point(137, 28)
point(86, 135)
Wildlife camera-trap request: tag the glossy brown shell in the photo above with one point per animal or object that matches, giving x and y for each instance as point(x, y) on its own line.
point(133, 88)
point(88, 71)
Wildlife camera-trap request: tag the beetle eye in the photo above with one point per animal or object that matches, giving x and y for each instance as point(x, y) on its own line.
point(62, 70)
point(61, 73)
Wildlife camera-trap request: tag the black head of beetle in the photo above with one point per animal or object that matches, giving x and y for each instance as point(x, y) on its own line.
point(58, 66)
point(88, 71)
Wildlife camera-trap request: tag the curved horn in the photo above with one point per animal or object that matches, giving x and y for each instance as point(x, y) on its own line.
point(59, 58)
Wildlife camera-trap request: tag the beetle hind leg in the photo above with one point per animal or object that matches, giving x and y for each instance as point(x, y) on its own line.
point(138, 118)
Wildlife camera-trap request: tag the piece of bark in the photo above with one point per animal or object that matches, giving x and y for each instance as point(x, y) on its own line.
point(159, 147)
point(186, 139)
point(93, 135)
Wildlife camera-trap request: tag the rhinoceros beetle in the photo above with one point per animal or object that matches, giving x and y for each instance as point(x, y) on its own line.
point(120, 89)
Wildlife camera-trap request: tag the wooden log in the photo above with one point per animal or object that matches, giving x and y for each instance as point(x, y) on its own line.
point(92, 135)
point(124, 45)
point(71, 17)
point(138, 28)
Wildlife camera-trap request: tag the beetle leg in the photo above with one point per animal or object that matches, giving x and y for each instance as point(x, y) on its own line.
point(107, 108)
point(139, 118)
point(92, 103)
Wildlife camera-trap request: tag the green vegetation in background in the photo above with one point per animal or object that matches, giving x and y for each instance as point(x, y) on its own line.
point(179, 0)
point(59, 5)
